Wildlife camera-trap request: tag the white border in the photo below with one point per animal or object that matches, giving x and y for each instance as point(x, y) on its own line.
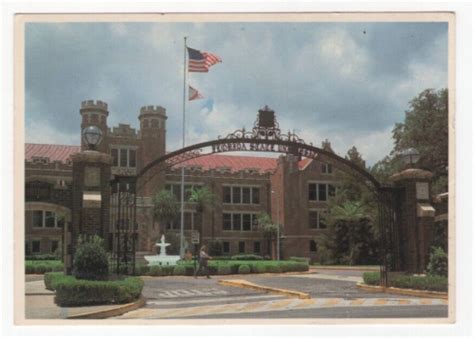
point(463, 10)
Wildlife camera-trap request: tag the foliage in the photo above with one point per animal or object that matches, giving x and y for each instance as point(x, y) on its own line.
point(224, 270)
point(248, 257)
point(300, 259)
point(172, 237)
point(45, 257)
point(215, 248)
point(90, 259)
point(50, 279)
point(42, 266)
point(349, 237)
point(265, 223)
point(179, 270)
point(165, 207)
point(244, 269)
point(203, 197)
point(155, 270)
point(371, 278)
point(438, 264)
point(78, 292)
point(429, 283)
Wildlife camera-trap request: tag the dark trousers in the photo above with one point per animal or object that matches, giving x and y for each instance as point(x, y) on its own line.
point(202, 266)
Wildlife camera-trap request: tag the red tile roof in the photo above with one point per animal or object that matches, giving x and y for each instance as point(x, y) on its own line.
point(235, 163)
point(54, 152)
point(61, 153)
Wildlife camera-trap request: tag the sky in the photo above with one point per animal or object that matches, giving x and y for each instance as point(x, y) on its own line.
point(345, 82)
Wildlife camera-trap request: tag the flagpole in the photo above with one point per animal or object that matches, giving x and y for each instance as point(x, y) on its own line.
point(181, 244)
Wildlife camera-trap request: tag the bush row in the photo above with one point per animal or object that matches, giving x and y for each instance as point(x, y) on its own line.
point(78, 292)
point(44, 257)
point(429, 283)
point(42, 266)
point(224, 268)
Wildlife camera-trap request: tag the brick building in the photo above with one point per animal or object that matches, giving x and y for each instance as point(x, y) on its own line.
point(293, 191)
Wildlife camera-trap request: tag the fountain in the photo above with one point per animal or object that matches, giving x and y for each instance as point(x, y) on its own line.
point(162, 258)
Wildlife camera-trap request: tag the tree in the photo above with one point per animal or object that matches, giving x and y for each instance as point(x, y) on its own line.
point(426, 129)
point(165, 207)
point(204, 199)
point(270, 230)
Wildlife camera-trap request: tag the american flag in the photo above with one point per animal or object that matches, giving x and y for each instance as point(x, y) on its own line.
point(201, 61)
point(194, 94)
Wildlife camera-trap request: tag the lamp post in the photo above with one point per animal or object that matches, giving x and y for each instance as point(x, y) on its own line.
point(92, 136)
point(278, 224)
point(410, 157)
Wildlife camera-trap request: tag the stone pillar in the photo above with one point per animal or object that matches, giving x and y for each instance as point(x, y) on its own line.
point(91, 172)
point(416, 218)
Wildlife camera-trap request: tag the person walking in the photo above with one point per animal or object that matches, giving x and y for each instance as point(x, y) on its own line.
point(203, 259)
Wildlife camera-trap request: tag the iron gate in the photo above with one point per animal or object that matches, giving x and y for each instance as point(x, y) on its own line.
point(389, 217)
point(123, 226)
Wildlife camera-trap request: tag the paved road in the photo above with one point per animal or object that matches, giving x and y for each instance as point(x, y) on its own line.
point(333, 295)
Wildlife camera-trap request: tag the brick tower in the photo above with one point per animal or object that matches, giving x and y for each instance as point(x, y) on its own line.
point(95, 113)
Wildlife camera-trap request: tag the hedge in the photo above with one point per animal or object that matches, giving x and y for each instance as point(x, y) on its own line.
point(247, 258)
point(78, 292)
point(429, 283)
point(51, 278)
point(44, 257)
point(244, 269)
point(42, 266)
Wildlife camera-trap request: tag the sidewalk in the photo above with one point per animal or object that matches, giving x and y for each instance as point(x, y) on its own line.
point(40, 304)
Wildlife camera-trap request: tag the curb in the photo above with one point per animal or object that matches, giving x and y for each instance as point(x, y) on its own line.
point(406, 292)
point(119, 310)
point(245, 284)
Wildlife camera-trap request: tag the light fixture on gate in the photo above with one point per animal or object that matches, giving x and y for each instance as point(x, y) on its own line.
point(410, 157)
point(92, 136)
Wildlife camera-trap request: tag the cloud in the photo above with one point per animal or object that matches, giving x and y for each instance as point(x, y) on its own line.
point(348, 82)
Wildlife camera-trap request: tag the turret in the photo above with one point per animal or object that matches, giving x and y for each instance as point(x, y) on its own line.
point(95, 113)
point(152, 133)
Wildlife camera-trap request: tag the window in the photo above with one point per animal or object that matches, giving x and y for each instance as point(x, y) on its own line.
point(246, 195)
point(175, 189)
point(54, 246)
point(225, 247)
point(238, 221)
point(124, 157)
point(49, 219)
point(241, 247)
point(37, 218)
point(226, 195)
point(114, 153)
point(236, 195)
point(320, 191)
point(226, 221)
point(35, 246)
point(256, 247)
point(132, 158)
point(316, 219)
point(240, 195)
point(246, 222)
point(326, 168)
point(255, 195)
point(312, 246)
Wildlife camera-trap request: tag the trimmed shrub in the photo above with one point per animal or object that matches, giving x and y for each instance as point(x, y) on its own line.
point(247, 257)
point(300, 259)
point(273, 268)
point(142, 270)
point(51, 278)
point(258, 268)
point(244, 269)
point(430, 283)
point(78, 292)
point(179, 270)
point(371, 278)
point(155, 270)
point(438, 264)
point(45, 257)
point(90, 259)
point(167, 270)
point(221, 258)
point(224, 270)
point(42, 266)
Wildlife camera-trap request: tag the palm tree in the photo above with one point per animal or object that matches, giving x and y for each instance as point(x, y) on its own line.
point(165, 208)
point(269, 229)
point(204, 199)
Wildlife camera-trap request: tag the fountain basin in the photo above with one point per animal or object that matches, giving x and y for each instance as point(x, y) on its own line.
point(162, 260)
